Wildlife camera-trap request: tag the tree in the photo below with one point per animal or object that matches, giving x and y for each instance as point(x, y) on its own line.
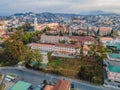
point(81, 73)
point(16, 51)
point(14, 47)
point(37, 56)
point(26, 27)
point(62, 41)
point(98, 32)
point(87, 30)
point(27, 38)
point(46, 29)
point(81, 52)
point(45, 82)
point(60, 33)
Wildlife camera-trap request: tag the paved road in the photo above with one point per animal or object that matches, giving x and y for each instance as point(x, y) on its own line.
point(36, 78)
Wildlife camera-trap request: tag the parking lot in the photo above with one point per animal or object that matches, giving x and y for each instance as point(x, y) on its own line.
point(34, 79)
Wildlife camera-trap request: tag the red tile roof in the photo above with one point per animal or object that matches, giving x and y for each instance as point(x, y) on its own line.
point(66, 45)
point(105, 29)
point(49, 87)
point(82, 38)
point(86, 48)
point(62, 85)
point(106, 38)
point(38, 45)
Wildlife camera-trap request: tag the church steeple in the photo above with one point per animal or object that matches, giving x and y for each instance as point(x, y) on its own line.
point(35, 24)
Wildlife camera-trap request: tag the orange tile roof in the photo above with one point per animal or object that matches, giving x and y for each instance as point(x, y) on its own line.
point(53, 45)
point(38, 45)
point(86, 48)
point(49, 87)
point(105, 29)
point(82, 38)
point(62, 85)
point(66, 45)
point(106, 38)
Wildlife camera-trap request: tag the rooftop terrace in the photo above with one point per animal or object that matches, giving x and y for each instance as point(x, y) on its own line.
point(114, 55)
point(114, 68)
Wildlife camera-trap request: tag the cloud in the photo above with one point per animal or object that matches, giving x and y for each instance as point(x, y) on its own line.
point(67, 6)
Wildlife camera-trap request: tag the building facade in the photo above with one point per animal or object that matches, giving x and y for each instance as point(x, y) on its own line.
point(66, 48)
point(52, 39)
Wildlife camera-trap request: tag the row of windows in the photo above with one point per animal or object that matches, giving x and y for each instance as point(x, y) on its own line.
point(57, 48)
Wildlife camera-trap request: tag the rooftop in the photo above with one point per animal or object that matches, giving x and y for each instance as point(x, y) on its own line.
point(21, 85)
point(114, 55)
point(38, 45)
point(106, 38)
point(61, 85)
point(82, 38)
point(49, 87)
point(105, 29)
point(114, 68)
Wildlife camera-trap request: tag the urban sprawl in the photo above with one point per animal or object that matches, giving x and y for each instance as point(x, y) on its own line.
point(89, 45)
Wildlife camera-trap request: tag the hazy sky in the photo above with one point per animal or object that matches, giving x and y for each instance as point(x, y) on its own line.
point(8, 7)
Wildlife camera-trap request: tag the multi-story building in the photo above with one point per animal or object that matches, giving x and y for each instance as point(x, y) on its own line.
point(117, 40)
point(82, 39)
point(52, 39)
point(106, 40)
point(63, 48)
point(114, 56)
point(3, 24)
point(105, 30)
point(60, 85)
point(113, 73)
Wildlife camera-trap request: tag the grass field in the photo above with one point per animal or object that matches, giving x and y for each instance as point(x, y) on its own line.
point(71, 68)
point(66, 67)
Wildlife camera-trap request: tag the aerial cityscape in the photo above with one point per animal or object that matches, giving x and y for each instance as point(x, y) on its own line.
point(60, 45)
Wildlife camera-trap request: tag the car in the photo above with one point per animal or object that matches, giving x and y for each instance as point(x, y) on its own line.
point(7, 79)
point(72, 85)
point(41, 85)
point(31, 88)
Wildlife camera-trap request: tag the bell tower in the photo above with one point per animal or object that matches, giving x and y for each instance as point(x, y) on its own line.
point(35, 24)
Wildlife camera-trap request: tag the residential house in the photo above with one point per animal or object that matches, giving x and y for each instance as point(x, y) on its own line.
point(82, 39)
point(60, 85)
point(52, 39)
point(106, 40)
point(117, 40)
point(2, 32)
point(104, 30)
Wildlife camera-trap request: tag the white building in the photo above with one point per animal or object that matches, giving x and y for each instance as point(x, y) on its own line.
point(106, 40)
point(117, 40)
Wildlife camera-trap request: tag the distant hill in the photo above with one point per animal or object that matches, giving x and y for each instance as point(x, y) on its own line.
point(97, 13)
point(48, 14)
